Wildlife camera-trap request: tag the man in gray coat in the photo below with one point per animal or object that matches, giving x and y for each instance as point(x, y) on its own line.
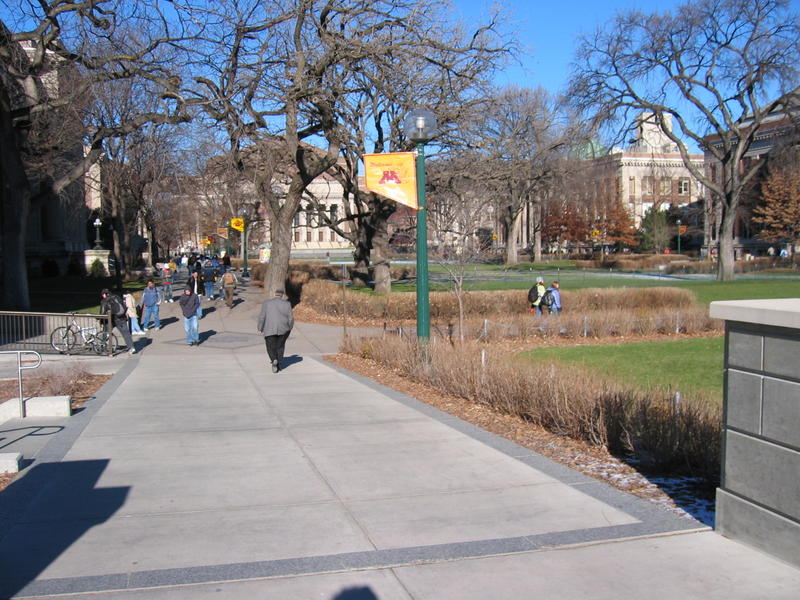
point(275, 323)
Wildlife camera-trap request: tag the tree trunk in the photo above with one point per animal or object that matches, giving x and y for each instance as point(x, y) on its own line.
point(281, 242)
point(361, 255)
point(537, 233)
point(381, 273)
point(512, 230)
point(727, 259)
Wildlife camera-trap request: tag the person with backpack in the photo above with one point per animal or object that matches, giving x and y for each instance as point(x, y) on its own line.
point(535, 295)
point(551, 299)
point(113, 305)
point(150, 300)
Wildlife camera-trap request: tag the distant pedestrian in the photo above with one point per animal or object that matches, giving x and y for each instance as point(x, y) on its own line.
point(535, 295)
point(113, 305)
point(151, 300)
point(190, 302)
point(167, 274)
point(229, 282)
point(275, 323)
point(552, 298)
point(133, 315)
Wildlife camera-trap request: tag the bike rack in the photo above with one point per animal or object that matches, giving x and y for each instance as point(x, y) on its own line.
point(21, 368)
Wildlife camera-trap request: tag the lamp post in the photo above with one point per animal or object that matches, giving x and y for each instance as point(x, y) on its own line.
point(419, 127)
point(98, 244)
point(245, 214)
point(679, 235)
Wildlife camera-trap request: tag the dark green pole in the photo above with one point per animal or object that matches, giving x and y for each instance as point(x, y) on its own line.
point(423, 305)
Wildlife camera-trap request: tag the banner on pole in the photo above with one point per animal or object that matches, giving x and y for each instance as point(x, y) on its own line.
point(222, 232)
point(393, 175)
point(237, 223)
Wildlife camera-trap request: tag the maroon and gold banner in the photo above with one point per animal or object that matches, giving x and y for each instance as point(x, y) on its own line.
point(392, 175)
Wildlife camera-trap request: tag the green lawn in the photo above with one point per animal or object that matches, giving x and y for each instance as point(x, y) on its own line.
point(691, 366)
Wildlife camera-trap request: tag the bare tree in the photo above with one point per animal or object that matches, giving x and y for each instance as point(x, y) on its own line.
point(301, 84)
point(710, 66)
point(524, 134)
point(90, 43)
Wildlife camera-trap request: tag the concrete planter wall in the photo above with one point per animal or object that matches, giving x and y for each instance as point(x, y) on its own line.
point(758, 501)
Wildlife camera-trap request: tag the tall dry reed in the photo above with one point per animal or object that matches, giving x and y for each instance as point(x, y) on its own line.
point(681, 438)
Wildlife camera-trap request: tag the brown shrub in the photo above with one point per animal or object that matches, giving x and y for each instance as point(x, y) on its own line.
point(589, 311)
point(565, 400)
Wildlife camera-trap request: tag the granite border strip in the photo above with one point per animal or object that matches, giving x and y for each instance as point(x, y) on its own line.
point(316, 565)
point(647, 512)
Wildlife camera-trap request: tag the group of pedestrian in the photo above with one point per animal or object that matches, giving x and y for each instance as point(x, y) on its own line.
point(541, 297)
point(275, 322)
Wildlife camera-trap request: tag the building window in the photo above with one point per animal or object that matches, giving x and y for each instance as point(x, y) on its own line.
point(665, 187)
point(632, 186)
point(308, 235)
point(321, 236)
point(296, 220)
point(333, 236)
point(296, 236)
point(684, 187)
point(647, 186)
point(332, 212)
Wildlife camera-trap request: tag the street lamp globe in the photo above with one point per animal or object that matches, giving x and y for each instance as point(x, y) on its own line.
point(420, 125)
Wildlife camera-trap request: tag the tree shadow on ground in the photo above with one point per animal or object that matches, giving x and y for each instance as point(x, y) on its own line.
point(47, 511)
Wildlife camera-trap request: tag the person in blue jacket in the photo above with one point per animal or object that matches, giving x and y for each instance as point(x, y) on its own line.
point(552, 298)
point(150, 300)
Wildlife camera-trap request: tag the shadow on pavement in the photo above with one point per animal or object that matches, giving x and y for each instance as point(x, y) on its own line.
point(168, 321)
point(54, 505)
point(10, 436)
point(356, 593)
point(204, 335)
point(291, 360)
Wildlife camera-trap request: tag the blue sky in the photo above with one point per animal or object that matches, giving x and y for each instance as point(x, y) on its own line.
point(548, 32)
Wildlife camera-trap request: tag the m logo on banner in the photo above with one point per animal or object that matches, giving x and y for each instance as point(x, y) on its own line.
point(390, 177)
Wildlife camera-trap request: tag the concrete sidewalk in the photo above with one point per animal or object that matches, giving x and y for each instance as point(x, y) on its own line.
point(198, 473)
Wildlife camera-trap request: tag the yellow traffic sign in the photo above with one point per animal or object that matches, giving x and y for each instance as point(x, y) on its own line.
point(237, 223)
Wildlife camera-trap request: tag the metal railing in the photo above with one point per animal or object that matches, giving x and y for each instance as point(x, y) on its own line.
point(20, 369)
point(31, 331)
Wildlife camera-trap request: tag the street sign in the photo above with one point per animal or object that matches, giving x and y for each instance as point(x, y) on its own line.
point(222, 232)
point(683, 229)
point(237, 223)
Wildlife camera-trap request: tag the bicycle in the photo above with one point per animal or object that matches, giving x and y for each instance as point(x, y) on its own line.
point(66, 338)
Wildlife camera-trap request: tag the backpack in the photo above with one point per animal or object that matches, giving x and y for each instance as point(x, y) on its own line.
point(548, 299)
point(116, 306)
point(533, 293)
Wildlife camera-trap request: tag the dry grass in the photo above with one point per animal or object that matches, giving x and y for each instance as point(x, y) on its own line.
point(326, 298)
point(492, 316)
point(566, 401)
point(72, 380)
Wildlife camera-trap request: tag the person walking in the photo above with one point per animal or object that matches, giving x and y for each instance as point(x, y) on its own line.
point(535, 295)
point(151, 300)
point(190, 302)
point(552, 298)
point(167, 275)
point(133, 316)
point(275, 323)
point(229, 282)
point(113, 305)
point(196, 282)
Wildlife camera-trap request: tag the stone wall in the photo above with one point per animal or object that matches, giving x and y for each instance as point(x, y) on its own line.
point(758, 501)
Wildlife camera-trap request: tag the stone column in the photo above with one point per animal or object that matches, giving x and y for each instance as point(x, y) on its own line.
point(758, 501)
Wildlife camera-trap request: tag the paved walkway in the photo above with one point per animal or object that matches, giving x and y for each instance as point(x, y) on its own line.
point(197, 473)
